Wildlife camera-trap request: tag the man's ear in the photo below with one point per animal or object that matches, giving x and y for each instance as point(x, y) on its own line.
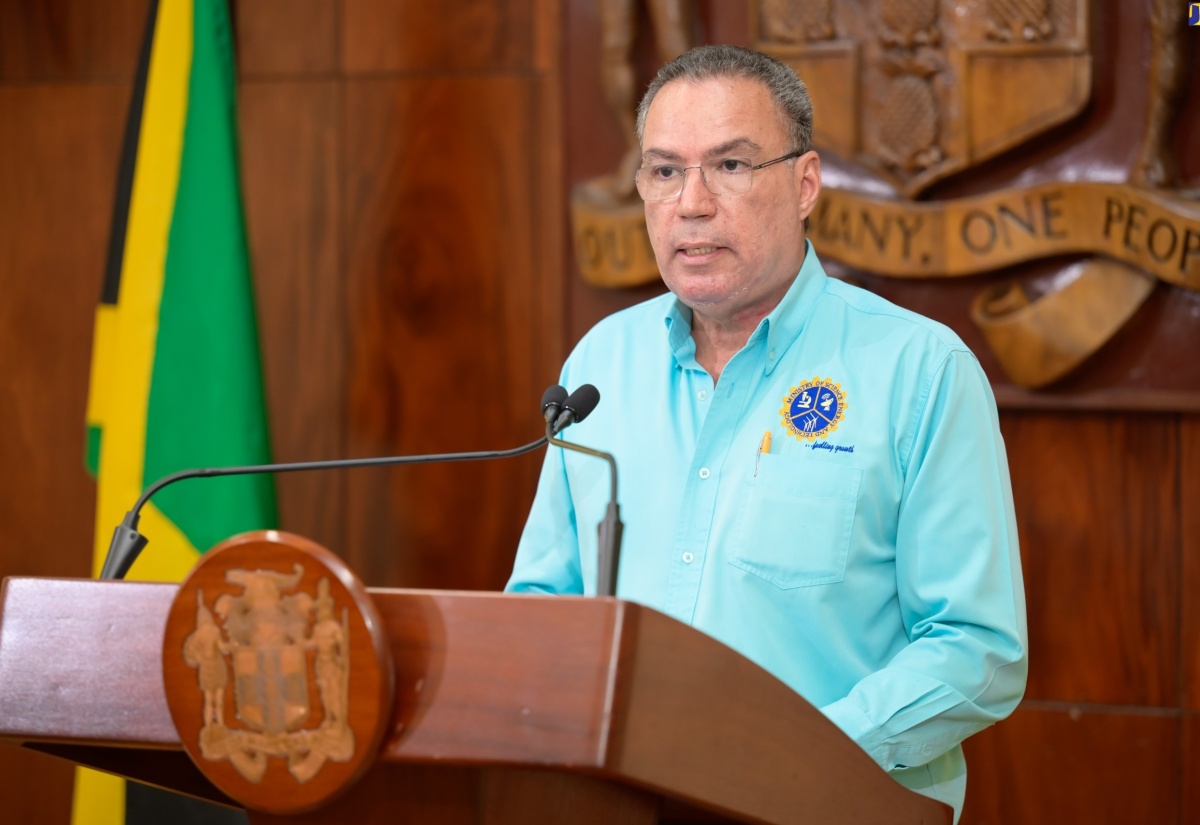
point(808, 181)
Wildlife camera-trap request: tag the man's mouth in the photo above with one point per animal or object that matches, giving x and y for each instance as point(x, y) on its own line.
point(699, 250)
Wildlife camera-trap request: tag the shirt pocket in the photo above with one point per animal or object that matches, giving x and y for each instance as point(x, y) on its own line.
point(795, 521)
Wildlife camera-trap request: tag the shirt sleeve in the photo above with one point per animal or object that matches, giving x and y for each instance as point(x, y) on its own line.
point(548, 552)
point(959, 583)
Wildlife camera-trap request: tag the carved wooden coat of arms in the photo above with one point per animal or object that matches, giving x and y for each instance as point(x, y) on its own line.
point(908, 94)
point(276, 671)
point(265, 637)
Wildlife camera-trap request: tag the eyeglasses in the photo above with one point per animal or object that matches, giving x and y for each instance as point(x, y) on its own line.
point(721, 176)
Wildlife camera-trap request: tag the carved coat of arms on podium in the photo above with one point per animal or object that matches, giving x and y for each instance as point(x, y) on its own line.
point(277, 672)
point(265, 637)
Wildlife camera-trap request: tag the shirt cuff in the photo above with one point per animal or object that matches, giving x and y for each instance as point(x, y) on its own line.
point(849, 717)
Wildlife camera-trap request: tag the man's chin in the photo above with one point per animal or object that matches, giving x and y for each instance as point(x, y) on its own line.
point(705, 302)
point(695, 287)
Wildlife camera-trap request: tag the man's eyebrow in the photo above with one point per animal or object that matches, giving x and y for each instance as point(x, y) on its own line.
point(660, 154)
point(736, 145)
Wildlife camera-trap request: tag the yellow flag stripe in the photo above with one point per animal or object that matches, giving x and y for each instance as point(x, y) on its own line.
point(99, 798)
point(124, 349)
point(152, 203)
point(101, 379)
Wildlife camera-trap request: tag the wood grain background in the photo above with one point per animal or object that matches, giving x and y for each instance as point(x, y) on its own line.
point(406, 167)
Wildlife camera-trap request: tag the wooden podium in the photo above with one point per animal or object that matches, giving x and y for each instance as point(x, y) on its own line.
point(505, 709)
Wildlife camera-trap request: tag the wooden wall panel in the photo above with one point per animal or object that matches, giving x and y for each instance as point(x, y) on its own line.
point(58, 159)
point(439, 235)
point(70, 39)
point(36, 787)
point(1068, 765)
point(1189, 516)
point(1190, 768)
point(1189, 512)
point(1096, 498)
point(419, 36)
point(287, 37)
point(290, 156)
point(551, 228)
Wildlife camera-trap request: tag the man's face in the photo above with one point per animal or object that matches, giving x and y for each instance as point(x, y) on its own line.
point(729, 257)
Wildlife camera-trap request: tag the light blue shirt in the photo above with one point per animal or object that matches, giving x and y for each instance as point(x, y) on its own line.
point(869, 559)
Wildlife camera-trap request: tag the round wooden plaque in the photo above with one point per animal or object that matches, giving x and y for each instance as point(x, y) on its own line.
point(277, 673)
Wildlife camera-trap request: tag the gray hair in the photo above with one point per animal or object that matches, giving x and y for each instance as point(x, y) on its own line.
point(707, 62)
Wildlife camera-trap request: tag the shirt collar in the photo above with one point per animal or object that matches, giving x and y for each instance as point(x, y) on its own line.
point(781, 326)
point(678, 319)
point(785, 323)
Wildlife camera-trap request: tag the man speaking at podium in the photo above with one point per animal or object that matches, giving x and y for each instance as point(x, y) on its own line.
point(810, 474)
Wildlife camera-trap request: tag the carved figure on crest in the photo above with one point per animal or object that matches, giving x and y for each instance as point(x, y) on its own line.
point(618, 33)
point(204, 650)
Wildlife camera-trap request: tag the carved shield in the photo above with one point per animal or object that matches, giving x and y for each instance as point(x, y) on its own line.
point(271, 687)
point(920, 89)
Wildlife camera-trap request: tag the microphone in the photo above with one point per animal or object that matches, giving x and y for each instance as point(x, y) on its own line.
point(576, 407)
point(552, 400)
point(127, 542)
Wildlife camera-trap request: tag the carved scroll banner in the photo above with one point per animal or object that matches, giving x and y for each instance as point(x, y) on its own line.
point(611, 243)
point(1036, 341)
point(1150, 230)
point(1039, 340)
point(277, 674)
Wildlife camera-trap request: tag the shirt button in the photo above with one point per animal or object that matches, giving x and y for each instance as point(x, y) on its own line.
point(687, 558)
point(771, 355)
point(702, 394)
point(704, 473)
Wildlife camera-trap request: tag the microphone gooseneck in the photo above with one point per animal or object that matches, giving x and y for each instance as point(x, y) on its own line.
point(127, 542)
point(577, 407)
point(558, 409)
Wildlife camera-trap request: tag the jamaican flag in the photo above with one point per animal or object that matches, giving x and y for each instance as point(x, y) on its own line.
point(176, 380)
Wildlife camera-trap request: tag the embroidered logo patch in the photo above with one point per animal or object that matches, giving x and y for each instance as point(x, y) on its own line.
point(814, 409)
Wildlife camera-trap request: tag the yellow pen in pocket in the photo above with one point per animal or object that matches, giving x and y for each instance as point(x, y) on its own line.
point(764, 446)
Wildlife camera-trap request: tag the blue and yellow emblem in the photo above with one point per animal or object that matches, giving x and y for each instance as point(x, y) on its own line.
point(814, 409)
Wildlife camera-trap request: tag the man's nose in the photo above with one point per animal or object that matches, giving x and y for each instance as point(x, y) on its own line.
point(696, 198)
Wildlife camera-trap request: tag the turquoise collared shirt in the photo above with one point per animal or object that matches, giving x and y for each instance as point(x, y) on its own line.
point(869, 559)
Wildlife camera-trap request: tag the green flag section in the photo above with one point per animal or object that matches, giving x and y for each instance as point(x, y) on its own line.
point(176, 379)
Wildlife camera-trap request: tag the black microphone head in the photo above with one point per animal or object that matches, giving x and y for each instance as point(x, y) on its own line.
point(582, 401)
point(552, 400)
point(553, 397)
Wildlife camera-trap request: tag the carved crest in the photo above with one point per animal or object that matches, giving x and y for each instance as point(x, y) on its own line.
point(920, 89)
point(272, 640)
point(277, 672)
